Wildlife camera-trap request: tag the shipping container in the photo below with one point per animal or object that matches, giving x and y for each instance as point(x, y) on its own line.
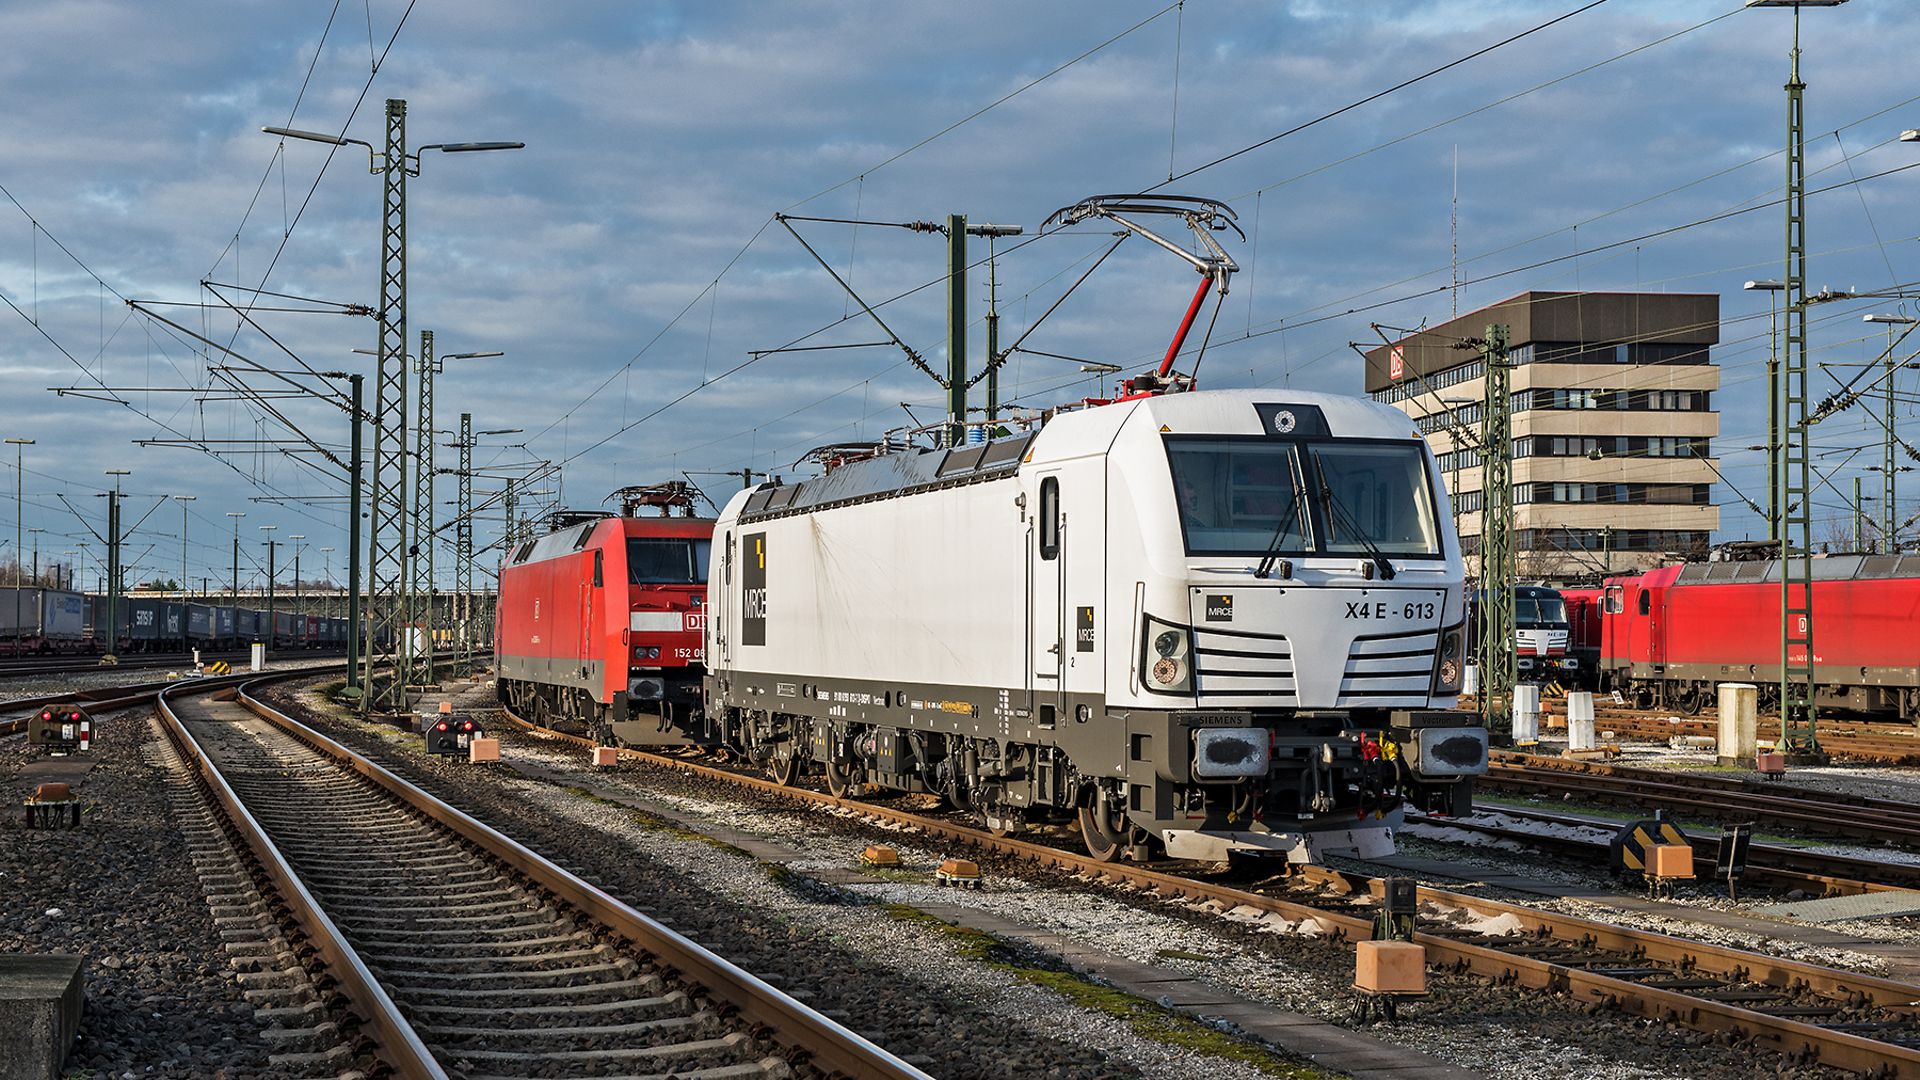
point(247, 625)
point(46, 614)
point(173, 624)
point(139, 621)
point(199, 624)
point(226, 625)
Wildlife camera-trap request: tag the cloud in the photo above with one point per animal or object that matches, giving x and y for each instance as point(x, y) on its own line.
point(661, 136)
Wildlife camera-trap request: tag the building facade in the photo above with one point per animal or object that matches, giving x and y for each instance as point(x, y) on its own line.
point(1613, 424)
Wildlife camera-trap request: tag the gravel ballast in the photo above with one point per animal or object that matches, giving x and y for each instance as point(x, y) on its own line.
point(121, 891)
point(1500, 1032)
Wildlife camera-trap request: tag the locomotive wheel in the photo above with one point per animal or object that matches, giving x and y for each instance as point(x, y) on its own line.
point(1098, 832)
point(844, 780)
point(1686, 700)
point(783, 770)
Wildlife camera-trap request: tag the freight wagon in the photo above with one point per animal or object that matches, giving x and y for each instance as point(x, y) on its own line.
point(39, 620)
point(1671, 634)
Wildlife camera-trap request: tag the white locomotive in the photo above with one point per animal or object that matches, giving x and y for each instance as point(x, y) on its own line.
point(1214, 621)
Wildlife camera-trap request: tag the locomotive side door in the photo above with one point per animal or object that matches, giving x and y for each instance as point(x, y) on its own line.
point(1046, 574)
point(719, 607)
point(1653, 607)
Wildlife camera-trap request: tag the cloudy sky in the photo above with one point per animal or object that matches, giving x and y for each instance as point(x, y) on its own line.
point(627, 264)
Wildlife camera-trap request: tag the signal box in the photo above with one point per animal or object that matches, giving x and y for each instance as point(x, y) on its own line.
point(62, 729)
point(446, 735)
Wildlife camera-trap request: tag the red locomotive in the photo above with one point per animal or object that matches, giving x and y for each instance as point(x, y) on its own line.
point(1583, 632)
point(600, 621)
point(1670, 635)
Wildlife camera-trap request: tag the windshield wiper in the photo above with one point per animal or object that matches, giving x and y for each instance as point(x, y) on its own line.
point(1273, 545)
point(1347, 521)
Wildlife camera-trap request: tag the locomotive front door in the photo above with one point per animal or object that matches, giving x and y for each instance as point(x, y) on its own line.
point(1046, 574)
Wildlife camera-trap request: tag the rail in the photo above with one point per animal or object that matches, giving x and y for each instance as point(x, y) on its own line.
point(1564, 962)
point(822, 1041)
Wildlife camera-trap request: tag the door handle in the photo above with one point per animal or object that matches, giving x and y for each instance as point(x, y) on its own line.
point(1054, 648)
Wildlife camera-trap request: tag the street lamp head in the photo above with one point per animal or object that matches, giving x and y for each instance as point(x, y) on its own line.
point(20, 442)
point(186, 498)
point(1766, 285)
point(1794, 3)
point(236, 513)
point(984, 229)
point(471, 147)
point(268, 528)
point(310, 136)
point(471, 355)
point(1910, 135)
point(119, 472)
point(501, 431)
point(1891, 320)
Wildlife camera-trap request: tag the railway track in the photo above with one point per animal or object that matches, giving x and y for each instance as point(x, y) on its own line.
point(1711, 795)
point(1807, 1012)
point(23, 667)
point(1859, 741)
point(1771, 866)
point(467, 954)
point(1882, 742)
point(15, 713)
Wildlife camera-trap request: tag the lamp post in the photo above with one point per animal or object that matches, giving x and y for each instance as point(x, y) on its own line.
point(1775, 437)
point(236, 516)
point(1797, 708)
point(419, 564)
point(1887, 466)
point(68, 555)
point(327, 554)
point(271, 547)
point(113, 560)
point(992, 232)
point(19, 520)
point(387, 542)
point(35, 533)
point(183, 500)
point(298, 539)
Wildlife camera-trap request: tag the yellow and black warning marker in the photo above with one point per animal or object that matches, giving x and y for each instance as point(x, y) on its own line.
point(1633, 847)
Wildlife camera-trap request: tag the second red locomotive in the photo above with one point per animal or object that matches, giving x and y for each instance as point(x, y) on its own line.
point(600, 622)
point(1668, 636)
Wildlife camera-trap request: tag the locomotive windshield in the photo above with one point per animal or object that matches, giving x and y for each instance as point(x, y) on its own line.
point(666, 560)
point(1327, 497)
point(1536, 611)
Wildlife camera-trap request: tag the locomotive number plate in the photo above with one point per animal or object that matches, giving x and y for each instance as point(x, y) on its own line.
point(1388, 610)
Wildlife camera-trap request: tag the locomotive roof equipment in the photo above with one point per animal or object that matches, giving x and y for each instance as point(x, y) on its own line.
point(1203, 217)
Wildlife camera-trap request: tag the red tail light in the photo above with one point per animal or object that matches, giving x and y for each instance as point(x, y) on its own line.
point(48, 715)
point(441, 726)
point(467, 726)
point(73, 716)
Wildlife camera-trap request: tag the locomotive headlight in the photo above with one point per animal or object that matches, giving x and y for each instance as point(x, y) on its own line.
point(1165, 660)
point(1446, 673)
point(1169, 643)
